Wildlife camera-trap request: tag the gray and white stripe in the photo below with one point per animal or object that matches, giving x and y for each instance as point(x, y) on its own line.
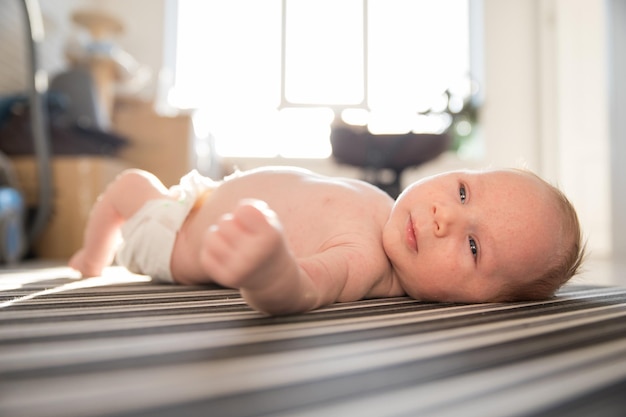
point(121, 346)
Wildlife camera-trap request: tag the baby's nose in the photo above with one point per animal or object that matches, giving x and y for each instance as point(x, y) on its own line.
point(444, 219)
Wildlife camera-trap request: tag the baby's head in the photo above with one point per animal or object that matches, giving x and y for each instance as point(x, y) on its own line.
point(475, 236)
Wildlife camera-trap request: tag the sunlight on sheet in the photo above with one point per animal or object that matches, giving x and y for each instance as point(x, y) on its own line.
point(15, 280)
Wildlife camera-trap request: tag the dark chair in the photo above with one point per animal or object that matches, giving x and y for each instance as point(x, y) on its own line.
point(380, 155)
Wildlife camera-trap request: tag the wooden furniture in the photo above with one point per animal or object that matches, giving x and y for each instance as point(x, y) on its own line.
point(77, 181)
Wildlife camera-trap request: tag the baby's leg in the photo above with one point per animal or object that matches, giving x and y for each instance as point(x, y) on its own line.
point(246, 249)
point(122, 198)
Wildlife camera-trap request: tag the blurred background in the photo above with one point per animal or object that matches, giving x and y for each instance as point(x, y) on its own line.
point(384, 90)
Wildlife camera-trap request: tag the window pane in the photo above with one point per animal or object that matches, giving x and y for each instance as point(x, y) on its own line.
point(228, 53)
point(324, 51)
point(305, 132)
point(229, 65)
point(417, 49)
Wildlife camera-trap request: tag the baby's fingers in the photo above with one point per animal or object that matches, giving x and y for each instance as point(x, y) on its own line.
point(255, 216)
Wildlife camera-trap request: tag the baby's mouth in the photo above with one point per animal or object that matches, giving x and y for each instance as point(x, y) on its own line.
point(411, 236)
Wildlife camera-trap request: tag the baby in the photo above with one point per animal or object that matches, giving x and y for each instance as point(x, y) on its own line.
point(292, 240)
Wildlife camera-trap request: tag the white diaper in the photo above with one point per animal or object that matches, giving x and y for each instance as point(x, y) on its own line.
point(150, 234)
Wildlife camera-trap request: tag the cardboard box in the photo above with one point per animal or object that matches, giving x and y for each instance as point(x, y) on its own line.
point(163, 145)
point(77, 182)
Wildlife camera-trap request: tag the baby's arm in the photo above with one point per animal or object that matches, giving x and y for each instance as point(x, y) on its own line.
point(121, 199)
point(247, 250)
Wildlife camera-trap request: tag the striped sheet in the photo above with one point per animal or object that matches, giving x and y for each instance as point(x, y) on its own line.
point(122, 346)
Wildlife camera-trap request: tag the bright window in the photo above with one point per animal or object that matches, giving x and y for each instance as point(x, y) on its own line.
point(228, 65)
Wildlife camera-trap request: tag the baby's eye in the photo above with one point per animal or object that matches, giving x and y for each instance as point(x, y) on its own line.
point(473, 247)
point(462, 193)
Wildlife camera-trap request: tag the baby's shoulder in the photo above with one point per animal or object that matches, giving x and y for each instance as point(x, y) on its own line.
point(290, 186)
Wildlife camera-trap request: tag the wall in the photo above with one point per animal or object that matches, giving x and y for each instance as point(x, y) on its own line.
point(583, 133)
point(143, 35)
point(13, 55)
point(14, 60)
point(547, 101)
point(617, 92)
point(510, 114)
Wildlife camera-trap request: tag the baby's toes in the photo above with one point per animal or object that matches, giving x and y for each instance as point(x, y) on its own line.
point(86, 269)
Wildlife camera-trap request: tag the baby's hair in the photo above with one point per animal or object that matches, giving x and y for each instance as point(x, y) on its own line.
point(567, 261)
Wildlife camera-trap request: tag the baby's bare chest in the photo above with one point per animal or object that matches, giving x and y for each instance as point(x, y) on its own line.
point(313, 211)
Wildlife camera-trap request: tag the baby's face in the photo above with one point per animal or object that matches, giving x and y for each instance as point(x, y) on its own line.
point(461, 236)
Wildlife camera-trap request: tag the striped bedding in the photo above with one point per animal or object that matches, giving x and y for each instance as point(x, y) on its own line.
point(120, 345)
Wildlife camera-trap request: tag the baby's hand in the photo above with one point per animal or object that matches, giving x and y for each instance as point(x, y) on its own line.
point(246, 248)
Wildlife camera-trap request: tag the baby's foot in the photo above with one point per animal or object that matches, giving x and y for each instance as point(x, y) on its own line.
point(245, 249)
point(87, 269)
